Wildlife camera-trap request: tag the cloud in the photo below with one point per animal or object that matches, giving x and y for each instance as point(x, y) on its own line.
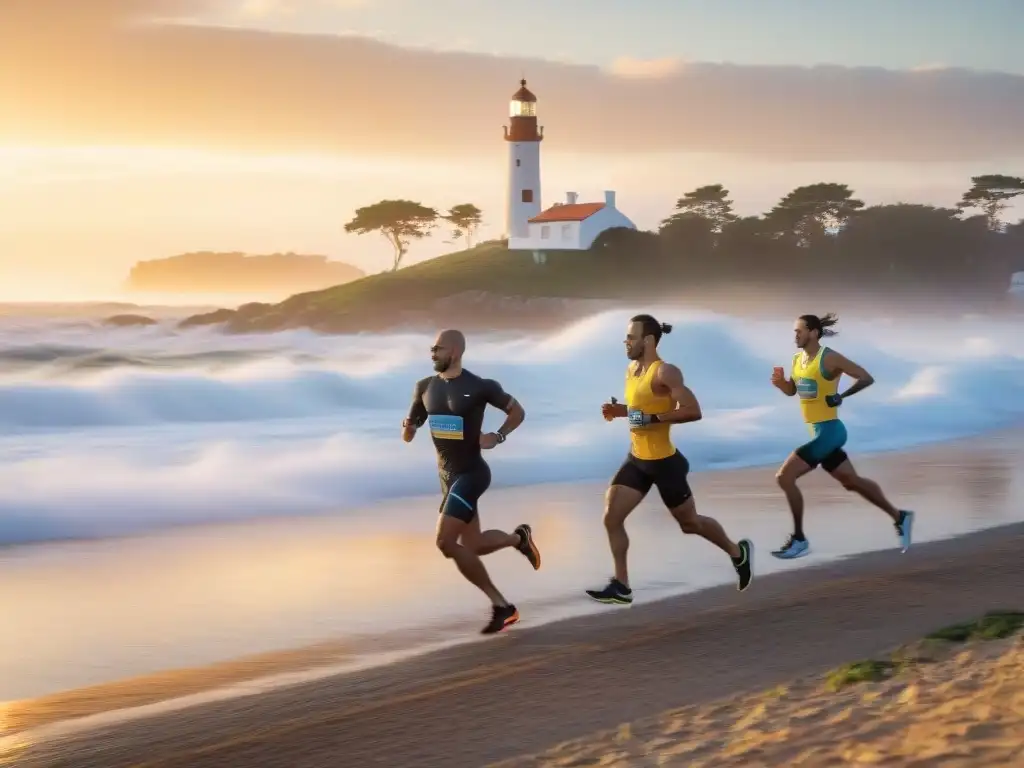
point(262, 9)
point(627, 66)
point(85, 76)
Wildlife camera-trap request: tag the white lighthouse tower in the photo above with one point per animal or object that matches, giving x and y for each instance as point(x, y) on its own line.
point(524, 138)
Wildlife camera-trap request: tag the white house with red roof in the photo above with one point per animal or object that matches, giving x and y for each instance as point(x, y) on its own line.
point(571, 226)
point(568, 226)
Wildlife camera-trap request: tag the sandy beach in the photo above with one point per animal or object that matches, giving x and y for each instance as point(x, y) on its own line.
point(529, 691)
point(940, 701)
point(532, 689)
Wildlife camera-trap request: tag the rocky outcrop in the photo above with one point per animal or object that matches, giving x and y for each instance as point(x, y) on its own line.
point(469, 310)
point(222, 316)
point(126, 321)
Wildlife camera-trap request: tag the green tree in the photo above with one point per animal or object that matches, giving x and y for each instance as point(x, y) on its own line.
point(710, 202)
point(809, 213)
point(749, 249)
point(466, 219)
point(400, 221)
point(687, 237)
point(619, 248)
point(1015, 241)
point(991, 194)
point(622, 245)
point(908, 243)
point(749, 233)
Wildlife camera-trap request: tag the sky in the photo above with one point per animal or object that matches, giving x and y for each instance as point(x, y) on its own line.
point(895, 34)
point(137, 129)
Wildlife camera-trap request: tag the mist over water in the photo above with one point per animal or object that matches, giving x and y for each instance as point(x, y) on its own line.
point(115, 431)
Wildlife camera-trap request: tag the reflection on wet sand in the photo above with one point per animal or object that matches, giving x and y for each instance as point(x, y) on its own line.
point(264, 599)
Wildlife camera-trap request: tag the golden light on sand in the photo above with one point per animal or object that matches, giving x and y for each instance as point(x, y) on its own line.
point(937, 700)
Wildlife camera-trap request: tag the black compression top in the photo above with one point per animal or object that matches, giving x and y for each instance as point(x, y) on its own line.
point(454, 409)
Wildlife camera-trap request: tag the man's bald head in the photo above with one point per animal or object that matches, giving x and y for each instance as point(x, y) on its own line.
point(447, 350)
point(453, 340)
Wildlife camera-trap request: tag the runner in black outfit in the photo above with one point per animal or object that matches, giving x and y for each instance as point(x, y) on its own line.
point(452, 404)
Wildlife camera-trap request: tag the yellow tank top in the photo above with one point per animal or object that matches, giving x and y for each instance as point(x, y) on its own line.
point(812, 387)
point(652, 441)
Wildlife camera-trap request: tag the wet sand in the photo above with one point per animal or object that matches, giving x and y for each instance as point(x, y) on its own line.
point(531, 689)
point(237, 602)
point(528, 691)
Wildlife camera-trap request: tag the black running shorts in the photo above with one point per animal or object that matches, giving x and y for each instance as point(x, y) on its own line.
point(669, 474)
point(461, 492)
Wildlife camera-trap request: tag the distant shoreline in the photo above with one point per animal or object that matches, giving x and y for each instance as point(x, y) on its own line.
point(245, 274)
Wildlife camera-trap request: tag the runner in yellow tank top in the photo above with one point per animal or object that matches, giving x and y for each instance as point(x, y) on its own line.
point(656, 398)
point(816, 371)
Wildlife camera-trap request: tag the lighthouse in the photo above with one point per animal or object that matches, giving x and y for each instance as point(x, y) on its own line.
point(523, 137)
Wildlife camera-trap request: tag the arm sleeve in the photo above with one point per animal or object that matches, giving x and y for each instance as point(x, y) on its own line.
point(496, 395)
point(417, 410)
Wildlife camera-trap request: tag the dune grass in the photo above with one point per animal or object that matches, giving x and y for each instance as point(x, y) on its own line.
point(994, 625)
point(866, 671)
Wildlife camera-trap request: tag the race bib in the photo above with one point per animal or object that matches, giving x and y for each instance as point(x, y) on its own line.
point(446, 427)
point(807, 389)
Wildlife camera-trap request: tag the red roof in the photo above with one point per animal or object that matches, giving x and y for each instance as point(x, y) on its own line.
point(568, 212)
point(523, 94)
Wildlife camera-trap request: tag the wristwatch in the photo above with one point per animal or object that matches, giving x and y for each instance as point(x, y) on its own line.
point(501, 436)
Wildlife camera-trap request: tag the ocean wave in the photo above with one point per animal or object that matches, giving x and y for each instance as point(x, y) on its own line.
point(115, 431)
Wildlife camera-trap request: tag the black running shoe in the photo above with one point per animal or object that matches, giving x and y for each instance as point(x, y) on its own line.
point(527, 547)
point(745, 565)
point(503, 616)
point(615, 593)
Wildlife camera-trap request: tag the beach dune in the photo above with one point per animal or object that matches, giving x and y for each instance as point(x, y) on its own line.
point(931, 703)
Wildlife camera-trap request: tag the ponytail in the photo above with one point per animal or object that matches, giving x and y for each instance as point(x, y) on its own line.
point(651, 327)
point(823, 325)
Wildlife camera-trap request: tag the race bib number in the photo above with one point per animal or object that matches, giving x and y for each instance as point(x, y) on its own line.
point(807, 389)
point(446, 427)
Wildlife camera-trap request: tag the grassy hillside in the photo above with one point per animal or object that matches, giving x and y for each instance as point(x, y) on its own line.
point(489, 267)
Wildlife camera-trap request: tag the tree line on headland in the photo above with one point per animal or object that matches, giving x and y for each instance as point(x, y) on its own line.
point(817, 234)
point(403, 221)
